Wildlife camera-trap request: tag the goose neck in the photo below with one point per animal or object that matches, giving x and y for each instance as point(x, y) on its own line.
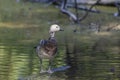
point(52, 34)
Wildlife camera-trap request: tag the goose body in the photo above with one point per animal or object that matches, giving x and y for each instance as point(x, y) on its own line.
point(47, 49)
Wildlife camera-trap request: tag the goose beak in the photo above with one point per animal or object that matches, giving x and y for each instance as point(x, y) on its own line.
point(61, 30)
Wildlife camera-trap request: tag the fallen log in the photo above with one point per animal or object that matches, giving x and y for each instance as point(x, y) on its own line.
point(64, 10)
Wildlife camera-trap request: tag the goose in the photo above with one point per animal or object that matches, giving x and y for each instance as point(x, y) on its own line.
point(47, 49)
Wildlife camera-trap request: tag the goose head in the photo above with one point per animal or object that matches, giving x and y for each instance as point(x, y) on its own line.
point(54, 28)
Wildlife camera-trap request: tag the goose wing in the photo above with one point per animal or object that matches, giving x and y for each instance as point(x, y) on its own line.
point(50, 47)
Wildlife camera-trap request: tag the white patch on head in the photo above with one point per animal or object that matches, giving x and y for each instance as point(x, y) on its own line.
point(54, 28)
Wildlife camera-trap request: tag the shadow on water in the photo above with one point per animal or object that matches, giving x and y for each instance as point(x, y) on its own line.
point(45, 76)
point(96, 60)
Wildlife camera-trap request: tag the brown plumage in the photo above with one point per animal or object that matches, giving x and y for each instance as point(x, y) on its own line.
point(48, 49)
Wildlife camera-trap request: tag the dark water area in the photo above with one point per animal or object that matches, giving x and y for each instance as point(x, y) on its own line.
point(20, 62)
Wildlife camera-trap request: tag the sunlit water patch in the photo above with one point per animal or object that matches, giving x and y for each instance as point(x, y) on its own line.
point(20, 62)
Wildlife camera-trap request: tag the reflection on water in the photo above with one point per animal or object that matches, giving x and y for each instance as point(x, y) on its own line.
point(21, 63)
point(16, 61)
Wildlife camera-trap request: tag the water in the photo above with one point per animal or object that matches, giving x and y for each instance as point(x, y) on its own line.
point(20, 62)
point(15, 61)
